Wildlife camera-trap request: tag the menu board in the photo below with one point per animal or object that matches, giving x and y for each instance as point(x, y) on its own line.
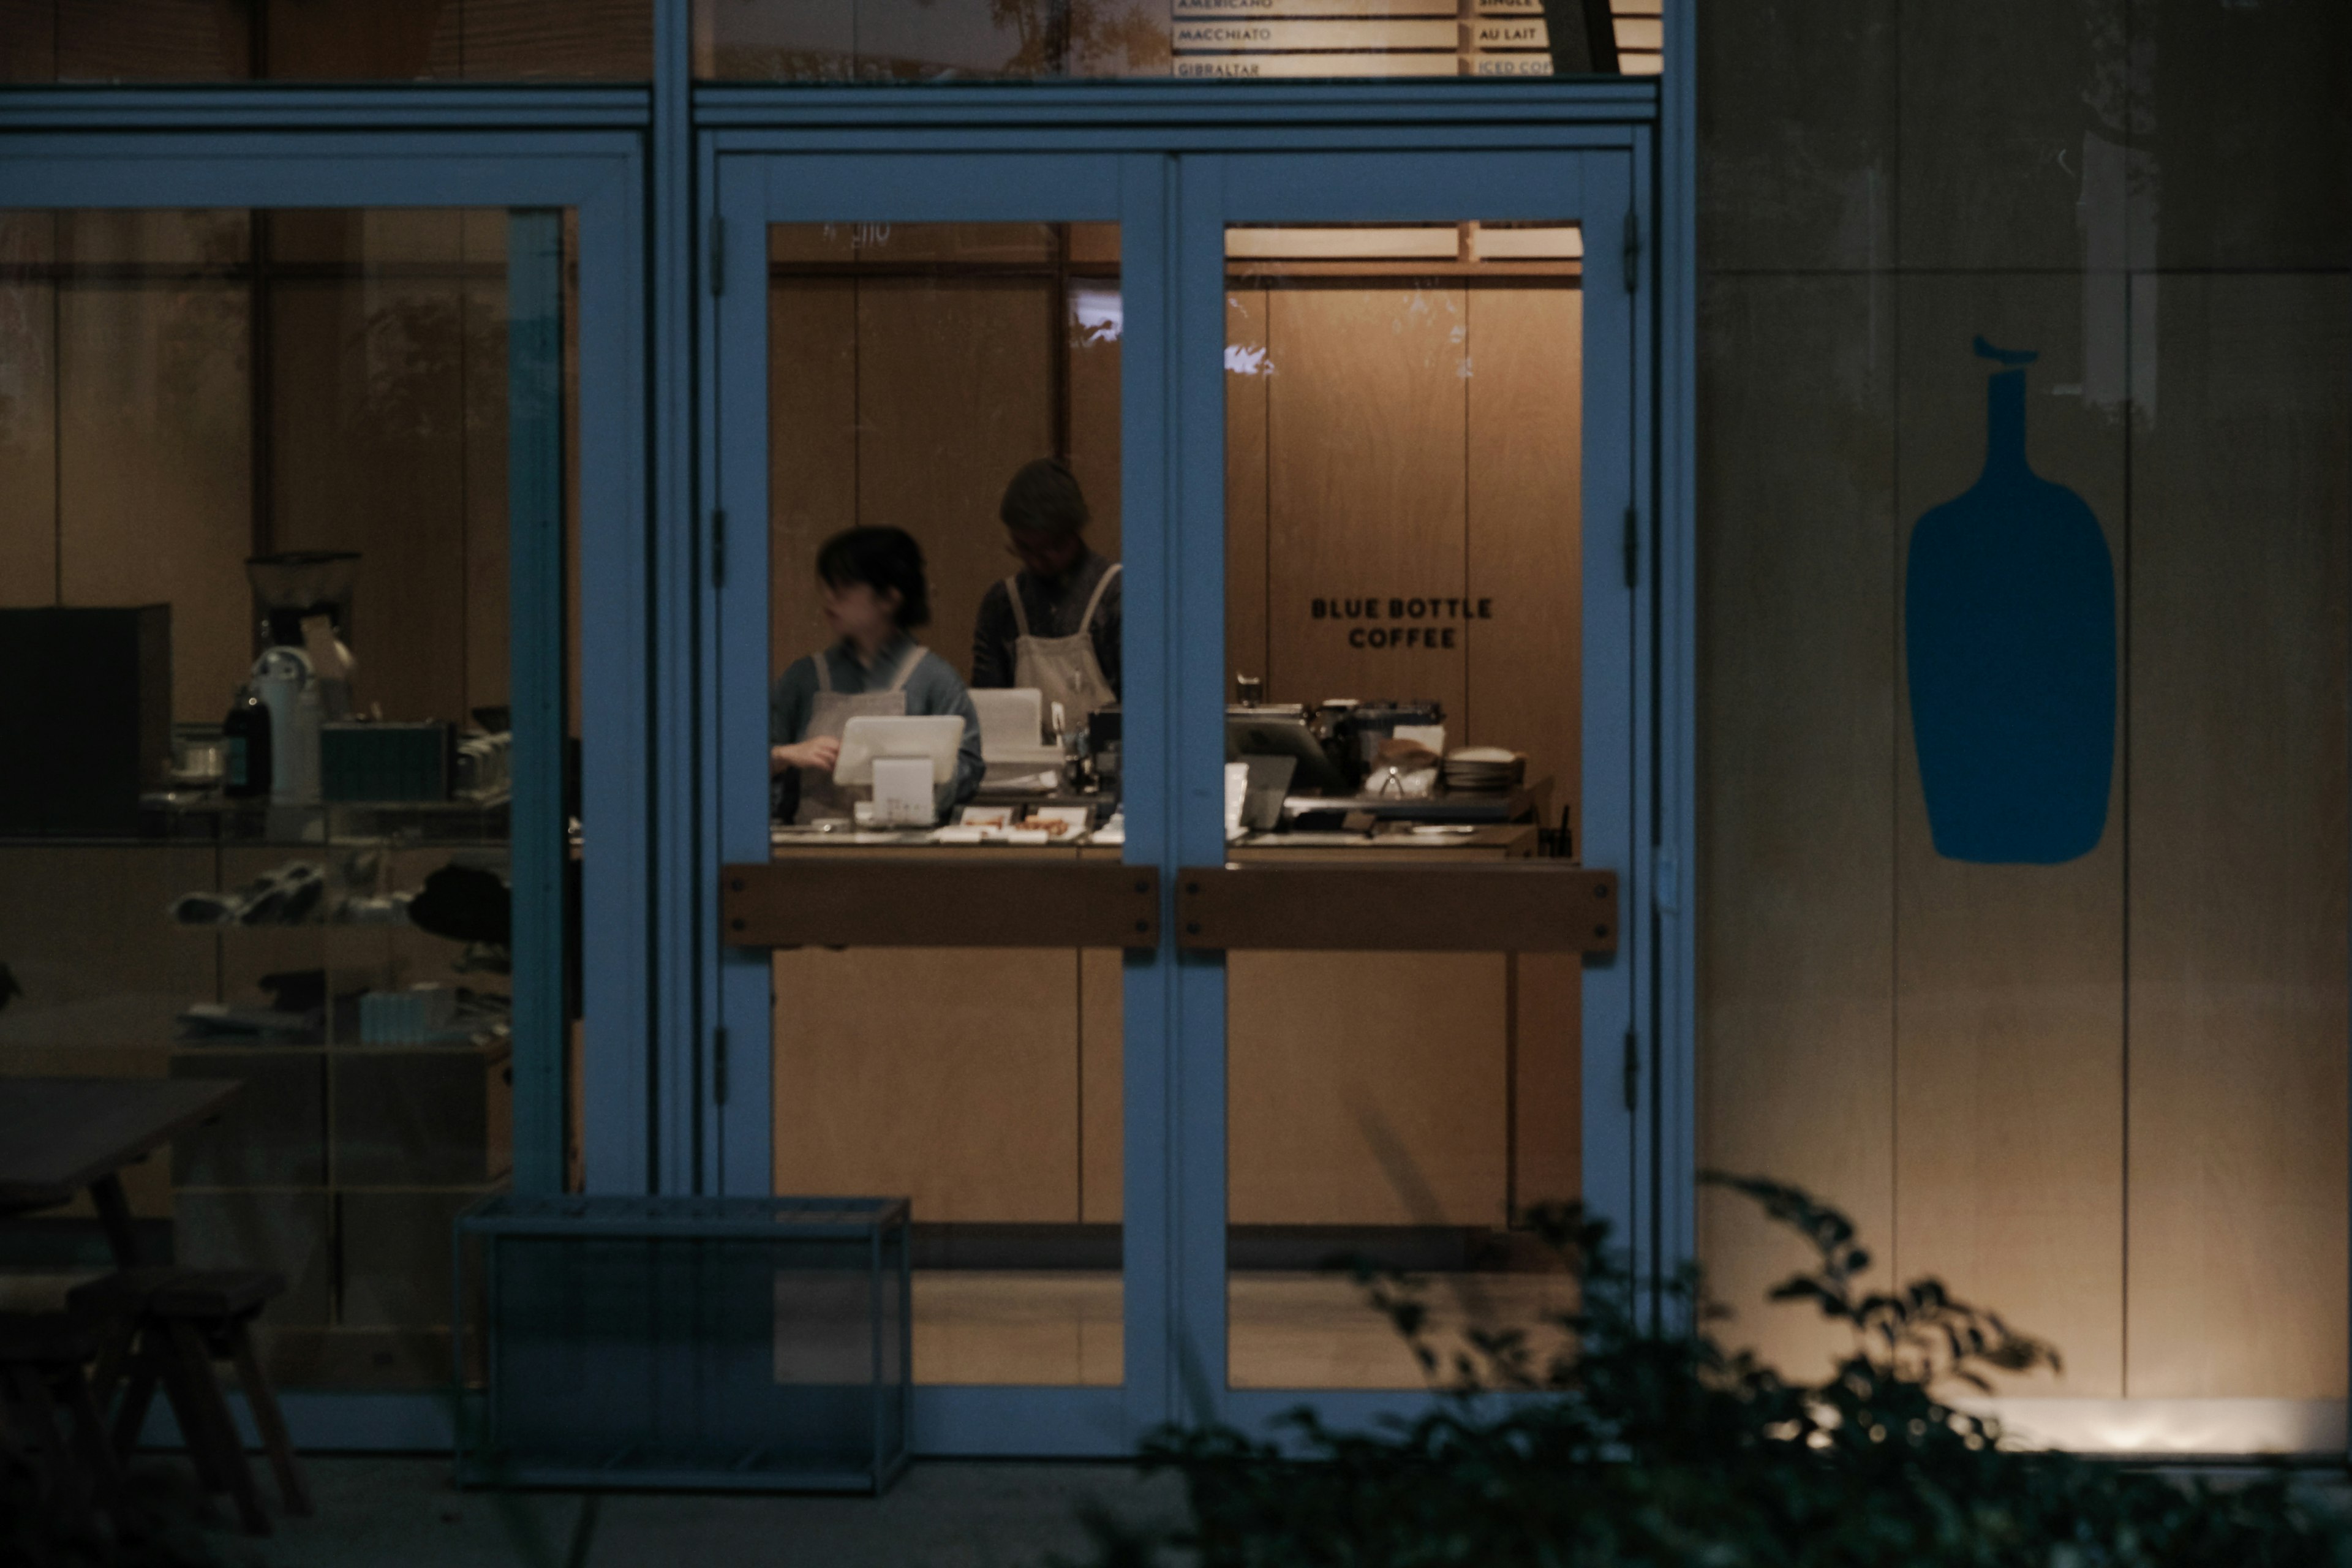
point(1359, 38)
point(1271, 38)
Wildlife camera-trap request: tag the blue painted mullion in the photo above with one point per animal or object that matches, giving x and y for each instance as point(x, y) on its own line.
point(1606, 835)
point(374, 107)
point(539, 849)
point(1149, 1033)
point(736, 436)
point(616, 783)
point(682, 956)
point(1195, 774)
point(1642, 917)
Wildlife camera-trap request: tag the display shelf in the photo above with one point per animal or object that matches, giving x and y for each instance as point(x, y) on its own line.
point(345, 1161)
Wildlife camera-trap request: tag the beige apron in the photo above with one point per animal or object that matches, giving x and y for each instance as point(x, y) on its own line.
point(1064, 669)
point(830, 714)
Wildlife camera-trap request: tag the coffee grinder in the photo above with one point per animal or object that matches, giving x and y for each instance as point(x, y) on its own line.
point(302, 675)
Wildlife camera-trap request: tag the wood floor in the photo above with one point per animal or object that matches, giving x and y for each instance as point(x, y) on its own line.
point(1288, 1331)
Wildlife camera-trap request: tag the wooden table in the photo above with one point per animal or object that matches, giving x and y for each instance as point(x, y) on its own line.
point(58, 1135)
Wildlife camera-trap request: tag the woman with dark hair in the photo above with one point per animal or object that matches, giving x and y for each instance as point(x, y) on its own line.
point(875, 596)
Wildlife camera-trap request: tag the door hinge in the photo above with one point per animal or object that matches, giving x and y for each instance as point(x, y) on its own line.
point(1632, 252)
point(1633, 1070)
point(719, 1065)
point(718, 254)
point(719, 547)
point(1633, 547)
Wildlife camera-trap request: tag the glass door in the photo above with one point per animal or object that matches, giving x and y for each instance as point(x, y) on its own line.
point(941, 905)
point(1175, 748)
point(1421, 714)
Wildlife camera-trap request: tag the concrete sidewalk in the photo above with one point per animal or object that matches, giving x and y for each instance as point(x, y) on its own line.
point(401, 1513)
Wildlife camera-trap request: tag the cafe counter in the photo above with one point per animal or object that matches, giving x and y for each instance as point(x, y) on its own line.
point(1364, 1087)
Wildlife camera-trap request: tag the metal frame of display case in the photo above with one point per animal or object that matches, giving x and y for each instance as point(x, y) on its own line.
point(629, 159)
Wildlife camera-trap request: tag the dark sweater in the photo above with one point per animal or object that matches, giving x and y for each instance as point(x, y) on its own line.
point(1053, 609)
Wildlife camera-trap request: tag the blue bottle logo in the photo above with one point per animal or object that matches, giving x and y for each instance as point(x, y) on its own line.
point(2010, 636)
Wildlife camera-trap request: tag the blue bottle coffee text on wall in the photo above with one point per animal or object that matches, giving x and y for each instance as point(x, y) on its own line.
point(2010, 638)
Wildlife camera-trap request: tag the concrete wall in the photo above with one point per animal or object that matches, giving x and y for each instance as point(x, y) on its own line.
point(2107, 1097)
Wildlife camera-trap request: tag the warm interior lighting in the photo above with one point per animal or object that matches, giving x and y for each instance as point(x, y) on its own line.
point(1419, 242)
point(1408, 242)
point(1533, 242)
point(2180, 1427)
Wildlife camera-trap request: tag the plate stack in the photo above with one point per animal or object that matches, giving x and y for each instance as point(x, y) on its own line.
point(1484, 770)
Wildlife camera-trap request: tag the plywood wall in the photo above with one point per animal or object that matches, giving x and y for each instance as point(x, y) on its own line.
point(1366, 482)
point(949, 1075)
point(1404, 441)
point(2235, 916)
point(128, 434)
point(909, 402)
point(2107, 1097)
point(394, 40)
point(1383, 440)
point(29, 415)
point(2009, 1027)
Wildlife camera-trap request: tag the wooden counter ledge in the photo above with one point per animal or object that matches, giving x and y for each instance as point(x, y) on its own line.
point(943, 897)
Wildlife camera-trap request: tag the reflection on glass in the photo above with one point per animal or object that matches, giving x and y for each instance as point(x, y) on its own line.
point(326, 40)
point(1403, 578)
point(945, 656)
point(254, 583)
point(948, 40)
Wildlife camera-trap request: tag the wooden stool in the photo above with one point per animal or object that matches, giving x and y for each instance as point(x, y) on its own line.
point(41, 1359)
point(171, 1325)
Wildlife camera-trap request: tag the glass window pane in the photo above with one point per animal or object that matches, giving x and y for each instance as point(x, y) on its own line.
point(953, 390)
point(1403, 564)
point(254, 594)
point(1221, 40)
point(326, 40)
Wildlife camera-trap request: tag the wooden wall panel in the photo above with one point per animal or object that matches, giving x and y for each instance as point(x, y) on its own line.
point(543, 40)
point(28, 417)
point(811, 450)
point(154, 481)
point(157, 237)
point(2242, 500)
point(1366, 1089)
point(1797, 676)
point(1365, 415)
point(1092, 363)
point(1102, 1140)
point(28, 40)
point(370, 456)
point(153, 40)
point(995, 244)
point(362, 40)
point(488, 645)
point(2008, 1023)
point(1525, 668)
point(361, 238)
point(954, 394)
point(1546, 1077)
point(1246, 651)
point(84, 929)
point(948, 1075)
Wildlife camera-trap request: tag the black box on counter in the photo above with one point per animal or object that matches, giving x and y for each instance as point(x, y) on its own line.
point(86, 703)
point(378, 761)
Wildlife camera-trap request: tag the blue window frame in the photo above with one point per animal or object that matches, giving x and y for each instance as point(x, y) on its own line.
point(642, 166)
point(532, 173)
